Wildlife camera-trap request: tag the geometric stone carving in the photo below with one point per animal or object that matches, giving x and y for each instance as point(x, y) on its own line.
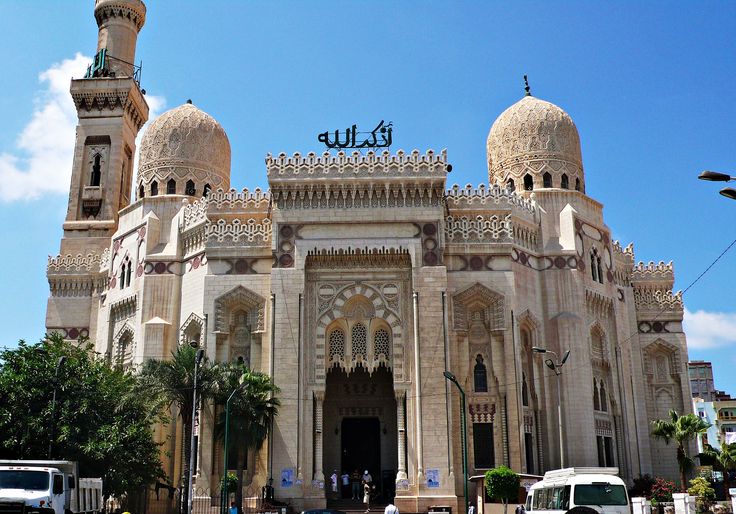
point(241, 297)
point(191, 330)
point(492, 302)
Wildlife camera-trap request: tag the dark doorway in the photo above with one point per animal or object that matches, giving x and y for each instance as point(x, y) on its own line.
point(361, 446)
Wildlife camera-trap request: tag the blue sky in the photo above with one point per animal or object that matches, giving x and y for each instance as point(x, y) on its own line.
point(649, 85)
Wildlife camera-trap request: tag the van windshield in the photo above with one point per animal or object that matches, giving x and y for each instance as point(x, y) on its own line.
point(600, 494)
point(22, 479)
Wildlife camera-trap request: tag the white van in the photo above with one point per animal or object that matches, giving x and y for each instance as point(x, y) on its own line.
point(562, 489)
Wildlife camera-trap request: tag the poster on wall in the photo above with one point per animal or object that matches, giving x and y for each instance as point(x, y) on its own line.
point(433, 478)
point(287, 477)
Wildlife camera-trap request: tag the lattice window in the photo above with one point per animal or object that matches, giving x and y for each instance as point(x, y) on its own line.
point(337, 345)
point(381, 343)
point(358, 340)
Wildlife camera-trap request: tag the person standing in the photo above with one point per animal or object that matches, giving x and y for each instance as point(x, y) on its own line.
point(345, 482)
point(391, 509)
point(333, 483)
point(367, 477)
point(355, 479)
point(471, 509)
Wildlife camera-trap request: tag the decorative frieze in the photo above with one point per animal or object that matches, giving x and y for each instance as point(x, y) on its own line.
point(488, 197)
point(79, 263)
point(664, 272)
point(238, 201)
point(350, 196)
point(479, 229)
point(482, 412)
point(358, 258)
point(646, 298)
point(250, 232)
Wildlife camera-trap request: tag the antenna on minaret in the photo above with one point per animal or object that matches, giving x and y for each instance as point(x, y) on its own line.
point(526, 87)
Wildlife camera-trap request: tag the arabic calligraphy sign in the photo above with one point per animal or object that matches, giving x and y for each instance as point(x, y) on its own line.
point(350, 137)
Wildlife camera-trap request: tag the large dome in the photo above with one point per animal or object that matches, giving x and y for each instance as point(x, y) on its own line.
point(534, 144)
point(187, 146)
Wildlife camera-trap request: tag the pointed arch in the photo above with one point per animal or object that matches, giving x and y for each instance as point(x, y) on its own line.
point(528, 182)
point(171, 187)
point(123, 349)
point(192, 329)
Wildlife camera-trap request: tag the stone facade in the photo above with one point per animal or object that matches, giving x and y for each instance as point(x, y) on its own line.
point(357, 279)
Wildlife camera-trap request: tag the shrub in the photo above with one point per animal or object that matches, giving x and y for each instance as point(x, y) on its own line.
point(662, 490)
point(706, 495)
point(502, 483)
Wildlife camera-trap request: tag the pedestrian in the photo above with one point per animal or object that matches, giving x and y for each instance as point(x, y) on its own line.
point(367, 477)
point(355, 479)
point(345, 478)
point(520, 509)
point(233, 508)
point(333, 482)
point(391, 508)
point(471, 509)
point(367, 495)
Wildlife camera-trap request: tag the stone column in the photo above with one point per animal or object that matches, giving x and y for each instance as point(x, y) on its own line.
point(319, 398)
point(418, 393)
point(401, 425)
point(640, 506)
point(684, 503)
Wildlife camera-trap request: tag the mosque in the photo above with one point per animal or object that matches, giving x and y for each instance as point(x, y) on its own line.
point(360, 277)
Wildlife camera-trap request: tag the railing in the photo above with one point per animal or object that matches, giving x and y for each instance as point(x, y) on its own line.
point(169, 501)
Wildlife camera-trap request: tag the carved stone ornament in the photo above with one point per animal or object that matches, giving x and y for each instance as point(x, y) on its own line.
point(492, 302)
point(240, 297)
point(533, 136)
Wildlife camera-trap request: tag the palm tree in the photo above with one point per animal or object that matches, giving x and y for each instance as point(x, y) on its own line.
point(681, 429)
point(172, 382)
point(252, 411)
point(725, 459)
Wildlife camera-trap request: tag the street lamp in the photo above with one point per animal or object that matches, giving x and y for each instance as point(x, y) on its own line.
point(557, 368)
point(715, 176)
point(225, 491)
point(193, 451)
point(463, 433)
point(59, 364)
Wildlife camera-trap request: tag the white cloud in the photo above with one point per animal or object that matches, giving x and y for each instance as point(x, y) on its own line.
point(42, 161)
point(707, 330)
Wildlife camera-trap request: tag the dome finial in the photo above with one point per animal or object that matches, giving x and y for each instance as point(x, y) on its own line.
point(189, 101)
point(526, 87)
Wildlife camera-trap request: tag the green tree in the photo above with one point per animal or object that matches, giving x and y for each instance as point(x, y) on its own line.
point(172, 383)
point(706, 495)
point(682, 430)
point(252, 410)
point(503, 484)
point(103, 419)
point(723, 459)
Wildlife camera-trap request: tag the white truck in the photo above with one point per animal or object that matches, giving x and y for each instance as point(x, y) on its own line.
point(47, 487)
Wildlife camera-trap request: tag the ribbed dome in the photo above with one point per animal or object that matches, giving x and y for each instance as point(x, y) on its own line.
point(184, 144)
point(534, 137)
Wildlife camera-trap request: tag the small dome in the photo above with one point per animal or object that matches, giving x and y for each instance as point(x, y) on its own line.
point(187, 146)
point(534, 144)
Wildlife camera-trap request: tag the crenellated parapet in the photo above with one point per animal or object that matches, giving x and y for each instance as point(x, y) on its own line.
point(488, 197)
point(657, 299)
point(658, 272)
point(234, 201)
point(72, 264)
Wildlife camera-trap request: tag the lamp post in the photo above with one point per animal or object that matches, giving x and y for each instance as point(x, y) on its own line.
point(225, 491)
point(192, 450)
point(59, 364)
point(557, 368)
point(463, 434)
point(714, 176)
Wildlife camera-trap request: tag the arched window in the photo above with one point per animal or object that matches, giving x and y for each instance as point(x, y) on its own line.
point(122, 276)
point(528, 182)
point(480, 377)
point(337, 345)
point(564, 182)
point(171, 187)
point(604, 400)
point(141, 192)
point(381, 345)
point(96, 172)
point(547, 180)
point(190, 190)
point(358, 341)
point(206, 190)
point(124, 351)
point(596, 398)
point(128, 273)
point(510, 185)
point(600, 270)
point(154, 188)
point(577, 184)
point(524, 391)
point(593, 266)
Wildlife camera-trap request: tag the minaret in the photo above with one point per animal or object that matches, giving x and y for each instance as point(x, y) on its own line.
point(111, 110)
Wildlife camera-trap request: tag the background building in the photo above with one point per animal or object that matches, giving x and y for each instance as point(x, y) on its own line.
point(356, 280)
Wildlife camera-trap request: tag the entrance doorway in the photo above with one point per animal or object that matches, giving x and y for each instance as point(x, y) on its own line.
point(361, 445)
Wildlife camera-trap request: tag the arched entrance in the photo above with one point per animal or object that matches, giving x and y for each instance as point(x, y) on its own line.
point(360, 428)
